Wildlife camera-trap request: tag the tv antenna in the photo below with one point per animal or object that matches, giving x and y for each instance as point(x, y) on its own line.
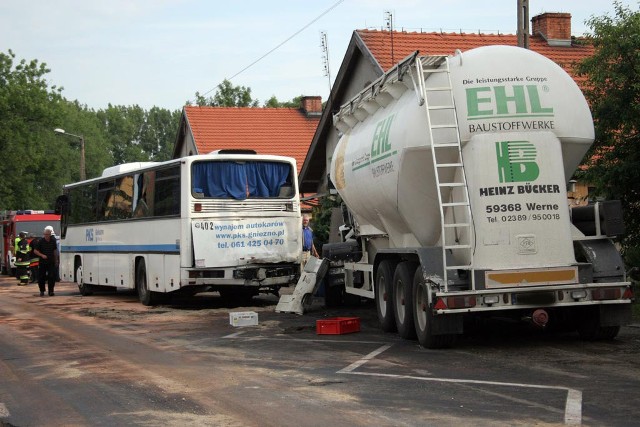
point(325, 57)
point(388, 18)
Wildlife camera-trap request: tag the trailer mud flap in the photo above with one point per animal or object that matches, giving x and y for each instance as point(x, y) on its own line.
point(615, 315)
point(444, 324)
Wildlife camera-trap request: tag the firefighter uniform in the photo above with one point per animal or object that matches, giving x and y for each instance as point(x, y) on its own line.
point(23, 258)
point(34, 262)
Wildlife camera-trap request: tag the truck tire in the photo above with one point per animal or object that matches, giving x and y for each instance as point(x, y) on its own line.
point(334, 285)
point(423, 316)
point(590, 328)
point(384, 295)
point(333, 291)
point(403, 299)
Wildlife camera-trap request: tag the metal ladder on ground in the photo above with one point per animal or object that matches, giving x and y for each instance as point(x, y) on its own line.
point(453, 193)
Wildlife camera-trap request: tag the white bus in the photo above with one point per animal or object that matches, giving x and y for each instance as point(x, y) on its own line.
point(228, 221)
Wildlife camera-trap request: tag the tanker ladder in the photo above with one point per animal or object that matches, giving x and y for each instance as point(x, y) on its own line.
point(435, 92)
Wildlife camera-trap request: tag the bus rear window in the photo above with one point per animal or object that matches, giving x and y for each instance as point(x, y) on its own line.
point(241, 180)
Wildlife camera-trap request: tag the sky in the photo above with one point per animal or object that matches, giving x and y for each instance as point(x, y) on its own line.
point(161, 52)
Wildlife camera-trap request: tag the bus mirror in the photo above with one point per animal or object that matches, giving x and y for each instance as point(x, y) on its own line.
point(62, 204)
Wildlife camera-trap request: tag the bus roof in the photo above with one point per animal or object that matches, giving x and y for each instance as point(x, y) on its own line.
point(127, 168)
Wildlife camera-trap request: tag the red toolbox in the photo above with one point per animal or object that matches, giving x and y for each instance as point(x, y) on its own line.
point(338, 325)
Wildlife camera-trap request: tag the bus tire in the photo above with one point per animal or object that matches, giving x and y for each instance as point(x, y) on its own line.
point(145, 296)
point(84, 288)
point(403, 299)
point(384, 295)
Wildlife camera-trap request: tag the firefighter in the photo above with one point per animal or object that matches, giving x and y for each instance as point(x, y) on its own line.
point(34, 260)
point(23, 258)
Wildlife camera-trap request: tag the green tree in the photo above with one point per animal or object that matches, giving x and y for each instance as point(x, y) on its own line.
point(613, 91)
point(274, 103)
point(228, 95)
point(136, 135)
point(158, 134)
point(78, 119)
point(122, 126)
point(28, 111)
point(322, 219)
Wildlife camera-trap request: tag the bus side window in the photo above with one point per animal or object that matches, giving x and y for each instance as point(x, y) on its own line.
point(106, 198)
point(123, 198)
point(143, 186)
point(167, 192)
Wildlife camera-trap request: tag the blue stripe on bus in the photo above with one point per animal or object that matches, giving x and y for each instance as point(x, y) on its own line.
point(173, 248)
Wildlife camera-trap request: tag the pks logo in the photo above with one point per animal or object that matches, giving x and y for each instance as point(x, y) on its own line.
point(516, 161)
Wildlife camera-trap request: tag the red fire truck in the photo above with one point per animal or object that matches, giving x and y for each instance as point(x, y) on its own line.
point(30, 221)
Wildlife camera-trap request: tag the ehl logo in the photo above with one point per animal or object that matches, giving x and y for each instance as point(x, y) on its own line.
point(516, 161)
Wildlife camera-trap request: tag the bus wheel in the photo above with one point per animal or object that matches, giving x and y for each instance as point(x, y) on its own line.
point(85, 289)
point(145, 296)
point(384, 295)
point(403, 299)
point(423, 317)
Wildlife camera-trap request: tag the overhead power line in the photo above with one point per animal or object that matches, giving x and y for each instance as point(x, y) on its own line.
point(280, 45)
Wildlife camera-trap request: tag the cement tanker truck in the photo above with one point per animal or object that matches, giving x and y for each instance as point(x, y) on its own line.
point(453, 173)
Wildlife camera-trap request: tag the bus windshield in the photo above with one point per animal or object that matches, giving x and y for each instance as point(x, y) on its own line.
point(241, 179)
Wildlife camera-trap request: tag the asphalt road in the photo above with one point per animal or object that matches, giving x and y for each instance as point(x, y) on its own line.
point(107, 360)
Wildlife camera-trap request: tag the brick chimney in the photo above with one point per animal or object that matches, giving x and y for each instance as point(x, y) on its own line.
point(554, 27)
point(311, 105)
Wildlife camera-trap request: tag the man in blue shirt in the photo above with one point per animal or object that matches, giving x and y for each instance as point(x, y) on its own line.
point(308, 248)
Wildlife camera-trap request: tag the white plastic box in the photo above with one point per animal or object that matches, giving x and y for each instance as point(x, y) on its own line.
point(243, 318)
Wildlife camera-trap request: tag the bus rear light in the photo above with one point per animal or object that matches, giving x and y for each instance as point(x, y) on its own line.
point(197, 207)
point(461, 302)
point(628, 294)
point(440, 305)
point(606, 294)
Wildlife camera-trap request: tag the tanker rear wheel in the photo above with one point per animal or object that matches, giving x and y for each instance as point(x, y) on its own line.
point(384, 295)
point(403, 298)
point(591, 329)
point(423, 317)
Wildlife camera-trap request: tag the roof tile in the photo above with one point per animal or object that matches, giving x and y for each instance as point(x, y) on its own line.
point(405, 43)
point(279, 131)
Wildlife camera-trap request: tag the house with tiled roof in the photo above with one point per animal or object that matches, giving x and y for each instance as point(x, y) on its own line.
point(371, 53)
point(279, 131)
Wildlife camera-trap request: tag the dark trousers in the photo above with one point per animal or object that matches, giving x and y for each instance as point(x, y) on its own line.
point(47, 272)
point(22, 268)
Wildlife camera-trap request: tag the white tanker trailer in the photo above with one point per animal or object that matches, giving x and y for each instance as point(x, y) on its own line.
point(453, 171)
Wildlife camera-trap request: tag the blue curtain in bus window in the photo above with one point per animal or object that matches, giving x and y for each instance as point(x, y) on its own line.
point(265, 179)
point(220, 180)
point(239, 180)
